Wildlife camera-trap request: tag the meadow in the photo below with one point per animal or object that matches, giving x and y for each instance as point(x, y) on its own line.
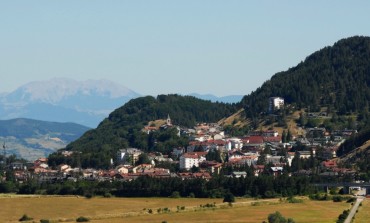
point(68, 208)
point(363, 214)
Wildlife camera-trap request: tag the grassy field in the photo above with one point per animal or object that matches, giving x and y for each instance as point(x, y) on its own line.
point(67, 209)
point(363, 214)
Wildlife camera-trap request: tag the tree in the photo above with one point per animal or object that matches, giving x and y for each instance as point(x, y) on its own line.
point(194, 169)
point(289, 136)
point(284, 136)
point(143, 159)
point(229, 197)
point(277, 217)
point(25, 218)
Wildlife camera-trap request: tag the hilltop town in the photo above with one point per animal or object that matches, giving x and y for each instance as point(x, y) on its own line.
point(209, 152)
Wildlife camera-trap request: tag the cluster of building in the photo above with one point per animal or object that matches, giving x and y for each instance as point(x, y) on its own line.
point(194, 162)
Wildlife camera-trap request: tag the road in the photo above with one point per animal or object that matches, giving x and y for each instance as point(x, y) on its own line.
point(354, 209)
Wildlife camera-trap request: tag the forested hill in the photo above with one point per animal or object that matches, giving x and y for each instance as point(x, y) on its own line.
point(123, 127)
point(337, 76)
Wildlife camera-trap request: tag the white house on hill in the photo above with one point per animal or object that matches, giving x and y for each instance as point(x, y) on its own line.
point(275, 103)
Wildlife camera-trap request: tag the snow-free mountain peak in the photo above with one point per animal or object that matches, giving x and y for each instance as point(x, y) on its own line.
point(58, 89)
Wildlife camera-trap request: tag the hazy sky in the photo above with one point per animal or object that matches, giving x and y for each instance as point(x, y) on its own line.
point(154, 47)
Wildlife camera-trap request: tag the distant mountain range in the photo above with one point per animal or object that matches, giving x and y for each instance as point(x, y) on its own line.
point(32, 139)
point(65, 100)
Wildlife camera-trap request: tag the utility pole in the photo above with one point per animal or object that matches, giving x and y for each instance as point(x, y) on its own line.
point(4, 154)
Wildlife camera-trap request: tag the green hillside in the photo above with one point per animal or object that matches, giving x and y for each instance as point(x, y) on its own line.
point(26, 128)
point(337, 77)
point(123, 127)
point(31, 139)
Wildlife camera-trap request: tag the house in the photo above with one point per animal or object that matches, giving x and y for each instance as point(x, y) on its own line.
point(329, 164)
point(305, 154)
point(272, 139)
point(188, 160)
point(149, 129)
point(211, 166)
point(277, 170)
point(207, 145)
point(238, 174)
point(177, 152)
point(17, 166)
point(64, 168)
point(89, 173)
point(235, 155)
point(270, 133)
point(234, 143)
point(67, 153)
point(40, 161)
point(141, 168)
point(278, 160)
point(243, 161)
point(201, 175)
point(123, 169)
point(128, 156)
point(275, 103)
point(258, 169)
point(253, 141)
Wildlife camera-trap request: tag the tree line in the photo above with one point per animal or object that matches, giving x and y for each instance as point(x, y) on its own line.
point(145, 186)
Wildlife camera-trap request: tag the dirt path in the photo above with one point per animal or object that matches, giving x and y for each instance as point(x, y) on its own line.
point(354, 209)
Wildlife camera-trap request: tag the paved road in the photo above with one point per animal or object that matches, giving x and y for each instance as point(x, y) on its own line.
point(354, 209)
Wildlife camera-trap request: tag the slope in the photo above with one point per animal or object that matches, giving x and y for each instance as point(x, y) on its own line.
point(337, 76)
point(31, 139)
point(123, 127)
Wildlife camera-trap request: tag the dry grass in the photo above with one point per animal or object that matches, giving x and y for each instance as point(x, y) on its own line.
point(136, 209)
point(307, 212)
point(71, 207)
point(236, 119)
point(363, 214)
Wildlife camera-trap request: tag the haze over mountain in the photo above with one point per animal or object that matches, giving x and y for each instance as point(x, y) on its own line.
point(32, 139)
point(65, 100)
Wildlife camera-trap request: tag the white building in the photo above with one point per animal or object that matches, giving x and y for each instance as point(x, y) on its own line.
point(275, 103)
point(128, 156)
point(188, 160)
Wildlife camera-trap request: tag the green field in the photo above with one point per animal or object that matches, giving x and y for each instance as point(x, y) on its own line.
point(67, 209)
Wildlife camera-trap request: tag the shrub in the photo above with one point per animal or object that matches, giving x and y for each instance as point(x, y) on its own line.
point(342, 217)
point(294, 200)
point(277, 217)
point(25, 218)
point(337, 198)
point(229, 197)
point(88, 195)
point(352, 199)
point(107, 195)
point(175, 194)
point(82, 219)
point(44, 221)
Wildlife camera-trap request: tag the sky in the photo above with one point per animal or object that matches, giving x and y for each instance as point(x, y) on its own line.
point(160, 47)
